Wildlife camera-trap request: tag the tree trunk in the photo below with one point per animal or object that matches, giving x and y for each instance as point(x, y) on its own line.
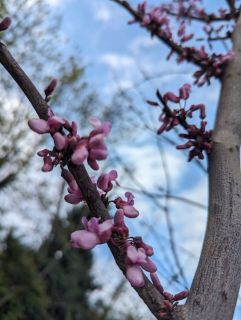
point(215, 287)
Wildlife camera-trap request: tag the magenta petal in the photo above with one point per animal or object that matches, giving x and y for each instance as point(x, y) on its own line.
point(135, 276)
point(84, 239)
point(130, 198)
point(56, 121)
point(43, 153)
point(106, 127)
point(132, 253)
point(98, 154)
point(130, 212)
point(84, 221)
point(169, 96)
point(113, 174)
point(73, 198)
point(97, 141)
point(79, 155)
point(149, 265)
point(119, 217)
point(93, 164)
point(148, 249)
point(60, 141)
point(105, 230)
point(48, 164)
point(103, 182)
point(38, 125)
point(93, 225)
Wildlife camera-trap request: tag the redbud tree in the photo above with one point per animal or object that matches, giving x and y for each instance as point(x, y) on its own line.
point(214, 289)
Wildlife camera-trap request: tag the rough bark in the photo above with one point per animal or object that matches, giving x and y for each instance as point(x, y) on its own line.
point(216, 284)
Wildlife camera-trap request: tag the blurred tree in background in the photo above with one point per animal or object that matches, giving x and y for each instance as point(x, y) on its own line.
point(22, 291)
point(51, 282)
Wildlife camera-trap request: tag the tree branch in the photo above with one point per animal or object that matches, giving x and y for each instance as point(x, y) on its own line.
point(170, 43)
point(150, 295)
point(231, 4)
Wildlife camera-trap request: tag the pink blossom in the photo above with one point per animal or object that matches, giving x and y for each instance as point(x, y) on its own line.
point(187, 37)
point(60, 141)
point(137, 259)
point(93, 147)
point(51, 87)
point(104, 182)
point(52, 125)
point(96, 145)
point(135, 276)
point(127, 206)
point(55, 123)
point(75, 196)
point(133, 271)
point(69, 145)
point(139, 243)
point(200, 107)
point(181, 295)
point(119, 223)
point(94, 233)
point(48, 164)
point(38, 125)
point(80, 154)
point(184, 91)
point(169, 121)
point(169, 96)
point(199, 139)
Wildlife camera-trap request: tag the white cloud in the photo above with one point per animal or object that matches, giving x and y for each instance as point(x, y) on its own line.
point(54, 2)
point(141, 42)
point(103, 14)
point(117, 61)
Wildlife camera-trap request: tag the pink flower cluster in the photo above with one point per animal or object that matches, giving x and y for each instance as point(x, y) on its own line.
point(136, 260)
point(104, 185)
point(171, 118)
point(68, 145)
point(157, 21)
point(199, 139)
point(127, 206)
point(212, 66)
point(171, 302)
point(95, 233)
point(136, 251)
point(75, 195)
